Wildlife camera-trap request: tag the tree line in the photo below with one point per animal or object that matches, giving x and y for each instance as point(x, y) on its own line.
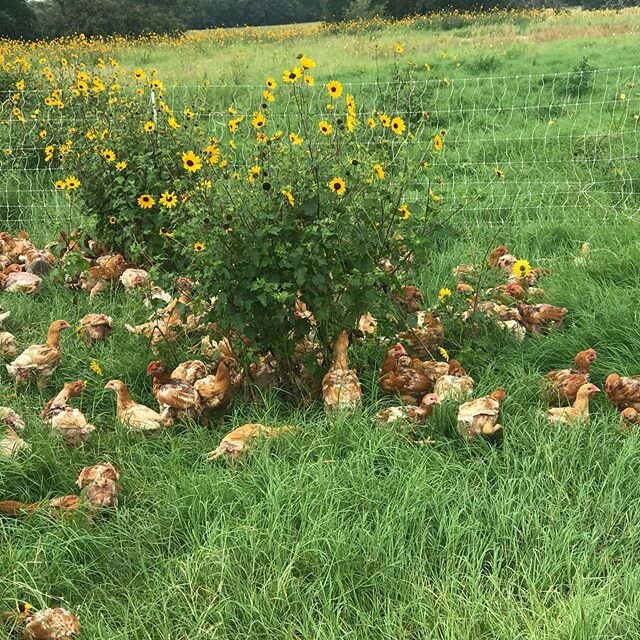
point(50, 18)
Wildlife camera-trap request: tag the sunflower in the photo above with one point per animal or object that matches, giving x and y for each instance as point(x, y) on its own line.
point(295, 139)
point(149, 127)
point(145, 201)
point(371, 123)
point(121, 166)
point(350, 101)
point(112, 219)
point(398, 126)
point(268, 96)
point(291, 76)
point(20, 85)
point(385, 120)
point(262, 137)
point(309, 81)
point(334, 89)
point(95, 367)
point(307, 63)
point(338, 186)
point(72, 183)
point(443, 352)
point(326, 128)
point(214, 154)
point(169, 199)
point(521, 269)
point(351, 123)
point(109, 155)
point(443, 294)
point(138, 74)
point(399, 48)
point(254, 172)
point(60, 185)
point(438, 142)
point(405, 214)
point(289, 196)
point(271, 83)
point(379, 171)
point(191, 161)
point(165, 233)
point(499, 173)
point(198, 247)
point(233, 124)
point(258, 121)
point(43, 134)
point(188, 114)
point(173, 123)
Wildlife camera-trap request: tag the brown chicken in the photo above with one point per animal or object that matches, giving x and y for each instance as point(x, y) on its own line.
point(8, 345)
point(134, 279)
point(412, 414)
point(480, 416)
point(137, 417)
point(105, 273)
point(39, 261)
point(561, 386)
point(216, 390)
point(410, 298)
point(39, 361)
point(367, 325)
point(579, 411)
point(66, 420)
point(47, 624)
point(96, 327)
point(178, 400)
point(455, 385)
point(189, 371)
point(404, 376)
point(538, 318)
point(340, 386)
point(426, 337)
point(14, 280)
point(11, 443)
point(496, 254)
point(15, 248)
point(623, 391)
point(236, 442)
point(629, 418)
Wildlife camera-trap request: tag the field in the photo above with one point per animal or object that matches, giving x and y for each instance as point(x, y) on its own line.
point(343, 529)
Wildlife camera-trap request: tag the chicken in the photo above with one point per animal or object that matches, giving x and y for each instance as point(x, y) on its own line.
point(410, 298)
point(340, 386)
point(579, 411)
point(406, 376)
point(216, 390)
point(134, 279)
point(561, 386)
point(15, 248)
point(435, 369)
point(41, 360)
point(189, 371)
point(495, 255)
point(623, 392)
point(96, 327)
point(177, 399)
point(39, 262)
point(9, 418)
point(65, 420)
point(8, 346)
point(11, 443)
point(413, 414)
point(105, 272)
point(455, 385)
point(20, 282)
point(47, 624)
point(237, 441)
point(426, 336)
point(137, 417)
point(367, 325)
point(480, 416)
point(537, 318)
point(629, 418)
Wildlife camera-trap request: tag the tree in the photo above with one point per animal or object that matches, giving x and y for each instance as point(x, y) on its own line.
point(16, 19)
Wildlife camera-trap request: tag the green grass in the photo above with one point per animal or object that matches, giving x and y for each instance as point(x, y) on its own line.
point(345, 530)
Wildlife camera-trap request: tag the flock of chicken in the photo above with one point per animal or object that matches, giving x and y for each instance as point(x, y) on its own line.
point(196, 391)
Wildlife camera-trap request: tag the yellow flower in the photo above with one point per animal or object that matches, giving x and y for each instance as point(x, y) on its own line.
point(334, 89)
point(262, 137)
point(399, 48)
point(338, 186)
point(258, 120)
point(405, 214)
point(268, 96)
point(149, 126)
point(309, 81)
point(438, 142)
point(233, 124)
point(72, 183)
point(271, 83)
point(254, 172)
point(622, 96)
point(295, 138)
point(232, 110)
point(138, 74)
point(108, 155)
point(191, 161)
point(443, 294)
point(521, 269)
point(499, 173)
point(379, 171)
point(291, 76)
point(398, 126)
point(289, 196)
point(95, 367)
point(169, 199)
point(188, 114)
point(443, 352)
point(173, 123)
point(112, 219)
point(60, 185)
point(351, 123)
point(307, 63)
point(199, 247)
point(43, 134)
point(165, 233)
point(20, 85)
point(371, 123)
point(121, 166)
point(157, 85)
point(214, 153)
point(145, 201)
point(385, 120)
point(326, 128)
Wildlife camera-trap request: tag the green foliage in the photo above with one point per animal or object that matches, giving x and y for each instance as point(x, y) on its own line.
point(16, 19)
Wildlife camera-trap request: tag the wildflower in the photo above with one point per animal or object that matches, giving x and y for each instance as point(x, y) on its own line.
point(268, 96)
point(165, 233)
point(385, 120)
point(291, 76)
point(338, 186)
point(379, 171)
point(173, 123)
point(233, 124)
point(309, 81)
point(214, 154)
point(399, 48)
point(307, 63)
point(60, 185)
point(521, 269)
point(622, 96)
point(43, 134)
point(112, 219)
point(72, 183)
point(443, 294)
point(198, 247)
point(271, 83)
point(405, 214)
point(443, 352)
point(499, 173)
point(289, 196)
point(121, 166)
point(168, 199)
point(261, 137)
point(149, 127)
point(188, 114)
point(371, 123)
point(398, 126)
point(351, 123)
point(334, 89)
point(438, 142)
point(145, 201)
point(108, 155)
point(258, 120)
point(254, 172)
point(20, 85)
point(326, 128)
point(138, 74)
point(232, 110)
point(434, 196)
point(350, 101)
point(232, 144)
point(295, 139)
point(191, 161)
point(157, 85)
point(95, 367)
